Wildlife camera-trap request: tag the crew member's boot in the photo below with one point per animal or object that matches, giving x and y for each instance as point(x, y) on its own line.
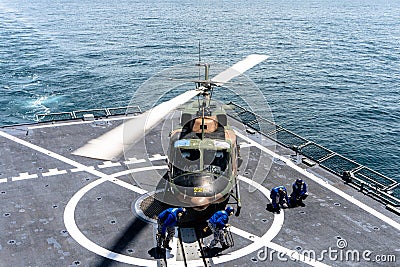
point(166, 244)
point(212, 244)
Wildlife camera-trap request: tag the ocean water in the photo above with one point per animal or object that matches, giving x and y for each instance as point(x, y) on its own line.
point(333, 75)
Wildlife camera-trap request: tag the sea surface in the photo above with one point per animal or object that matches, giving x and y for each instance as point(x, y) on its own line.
point(333, 73)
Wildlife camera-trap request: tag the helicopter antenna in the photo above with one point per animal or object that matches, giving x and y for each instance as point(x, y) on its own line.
point(199, 60)
point(206, 78)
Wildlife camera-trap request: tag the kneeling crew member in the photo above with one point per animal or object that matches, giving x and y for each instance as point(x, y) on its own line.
point(217, 223)
point(279, 198)
point(166, 223)
point(299, 193)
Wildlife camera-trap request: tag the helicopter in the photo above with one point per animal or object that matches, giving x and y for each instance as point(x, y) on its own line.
point(203, 154)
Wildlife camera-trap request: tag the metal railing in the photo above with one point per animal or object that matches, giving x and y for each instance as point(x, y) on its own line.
point(97, 113)
point(365, 179)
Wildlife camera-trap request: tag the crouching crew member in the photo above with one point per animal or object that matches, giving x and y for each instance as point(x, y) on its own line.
point(299, 193)
point(279, 198)
point(166, 223)
point(217, 223)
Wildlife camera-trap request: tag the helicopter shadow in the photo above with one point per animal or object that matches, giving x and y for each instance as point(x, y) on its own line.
point(131, 232)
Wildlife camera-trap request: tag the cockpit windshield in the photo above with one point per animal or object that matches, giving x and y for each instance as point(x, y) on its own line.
point(198, 160)
point(186, 160)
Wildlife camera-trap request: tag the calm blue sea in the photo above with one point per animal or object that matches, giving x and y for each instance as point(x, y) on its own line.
point(333, 75)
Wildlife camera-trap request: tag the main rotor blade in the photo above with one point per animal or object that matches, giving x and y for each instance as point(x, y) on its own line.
point(237, 69)
point(111, 145)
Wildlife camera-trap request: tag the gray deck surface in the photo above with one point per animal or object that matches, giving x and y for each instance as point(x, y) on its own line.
point(43, 195)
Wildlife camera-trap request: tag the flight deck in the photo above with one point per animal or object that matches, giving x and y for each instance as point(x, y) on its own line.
point(59, 209)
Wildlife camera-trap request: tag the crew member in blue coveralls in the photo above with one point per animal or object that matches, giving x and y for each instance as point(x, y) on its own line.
point(299, 193)
point(279, 198)
point(166, 223)
point(218, 223)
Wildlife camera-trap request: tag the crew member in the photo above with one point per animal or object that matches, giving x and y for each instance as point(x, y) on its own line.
point(299, 193)
point(166, 223)
point(218, 223)
point(279, 198)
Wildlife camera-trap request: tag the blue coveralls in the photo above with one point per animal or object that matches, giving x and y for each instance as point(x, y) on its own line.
point(299, 193)
point(166, 223)
point(278, 199)
point(217, 224)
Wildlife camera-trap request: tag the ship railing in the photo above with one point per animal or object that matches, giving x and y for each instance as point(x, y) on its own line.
point(95, 113)
point(366, 180)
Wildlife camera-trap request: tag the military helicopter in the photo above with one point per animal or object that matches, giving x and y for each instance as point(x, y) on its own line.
point(203, 152)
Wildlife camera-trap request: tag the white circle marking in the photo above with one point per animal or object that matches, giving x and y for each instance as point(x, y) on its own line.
point(72, 228)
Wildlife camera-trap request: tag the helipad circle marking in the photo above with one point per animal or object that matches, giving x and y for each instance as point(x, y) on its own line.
point(72, 228)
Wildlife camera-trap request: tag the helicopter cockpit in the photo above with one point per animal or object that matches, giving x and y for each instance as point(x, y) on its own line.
point(216, 162)
point(213, 161)
point(186, 160)
point(200, 171)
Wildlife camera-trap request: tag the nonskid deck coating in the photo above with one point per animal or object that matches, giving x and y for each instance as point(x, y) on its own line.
point(37, 189)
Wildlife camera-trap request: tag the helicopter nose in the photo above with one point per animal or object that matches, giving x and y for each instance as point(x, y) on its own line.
point(200, 203)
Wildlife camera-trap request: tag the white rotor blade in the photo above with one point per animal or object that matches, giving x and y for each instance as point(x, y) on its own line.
point(239, 68)
point(112, 144)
